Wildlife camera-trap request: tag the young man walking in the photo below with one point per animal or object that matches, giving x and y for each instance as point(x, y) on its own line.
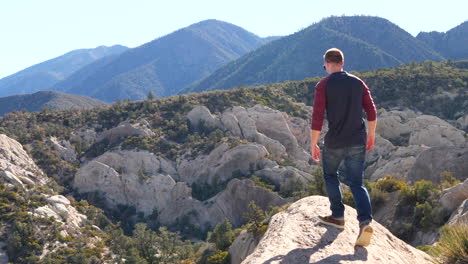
point(343, 96)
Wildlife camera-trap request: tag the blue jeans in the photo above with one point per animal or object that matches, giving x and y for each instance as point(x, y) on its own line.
point(351, 174)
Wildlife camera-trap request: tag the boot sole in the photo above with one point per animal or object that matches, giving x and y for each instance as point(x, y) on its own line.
point(365, 237)
point(330, 224)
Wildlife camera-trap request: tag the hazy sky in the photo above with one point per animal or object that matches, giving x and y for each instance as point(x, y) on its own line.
point(33, 31)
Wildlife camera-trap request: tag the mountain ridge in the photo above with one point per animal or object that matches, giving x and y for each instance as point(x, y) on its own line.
point(53, 100)
point(44, 75)
point(294, 57)
point(169, 62)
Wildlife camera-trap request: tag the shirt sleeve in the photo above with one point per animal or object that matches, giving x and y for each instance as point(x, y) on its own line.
point(368, 103)
point(319, 106)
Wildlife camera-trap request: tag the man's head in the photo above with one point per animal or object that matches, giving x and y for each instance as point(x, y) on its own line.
point(333, 60)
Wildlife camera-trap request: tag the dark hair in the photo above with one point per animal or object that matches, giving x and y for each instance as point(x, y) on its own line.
point(334, 55)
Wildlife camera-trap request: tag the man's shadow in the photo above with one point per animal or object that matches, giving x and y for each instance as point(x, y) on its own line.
point(302, 255)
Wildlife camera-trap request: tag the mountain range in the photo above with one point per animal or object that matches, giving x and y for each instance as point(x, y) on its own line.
point(451, 44)
point(53, 100)
point(44, 75)
point(214, 54)
point(367, 43)
point(164, 65)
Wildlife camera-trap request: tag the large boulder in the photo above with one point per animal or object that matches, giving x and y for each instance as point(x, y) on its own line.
point(125, 129)
point(434, 132)
point(392, 125)
point(432, 162)
point(463, 123)
point(460, 215)
point(279, 176)
point(234, 201)
point(59, 208)
point(7, 176)
point(231, 203)
point(3, 253)
point(201, 114)
point(296, 236)
point(64, 148)
point(382, 149)
point(398, 163)
point(222, 164)
point(452, 197)
point(139, 179)
point(14, 159)
point(242, 246)
point(258, 122)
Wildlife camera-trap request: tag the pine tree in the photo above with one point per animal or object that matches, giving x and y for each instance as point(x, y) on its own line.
point(150, 95)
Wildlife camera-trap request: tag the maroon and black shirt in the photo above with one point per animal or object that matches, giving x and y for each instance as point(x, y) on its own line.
point(343, 96)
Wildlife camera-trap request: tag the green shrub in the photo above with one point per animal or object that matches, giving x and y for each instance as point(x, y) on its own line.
point(222, 235)
point(219, 257)
point(447, 180)
point(348, 197)
point(262, 183)
point(423, 215)
point(452, 247)
point(390, 184)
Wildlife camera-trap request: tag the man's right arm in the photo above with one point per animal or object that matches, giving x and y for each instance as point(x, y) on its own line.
point(317, 119)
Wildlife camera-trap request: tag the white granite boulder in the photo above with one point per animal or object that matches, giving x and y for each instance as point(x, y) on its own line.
point(296, 236)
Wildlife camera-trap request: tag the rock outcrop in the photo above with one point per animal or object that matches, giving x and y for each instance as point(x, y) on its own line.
point(125, 129)
point(151, 183)
point(59, 208)
point(15, 160)
point(64, 148)
point(409, 128)
point(279, 176)
point(278, 132)
point(463, 123)
point(296, 236)
point(452, 197)
point(231, 203)
point(201, 114)
point(221, 164)
point(17, 168)
point(398, 162)
point(3, 253)
point(242, 246)
point(140, 179)
point(431, 162)
point(434, 132)
point(460, 215)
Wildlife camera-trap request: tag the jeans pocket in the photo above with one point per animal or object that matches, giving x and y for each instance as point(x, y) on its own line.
point(357, 152)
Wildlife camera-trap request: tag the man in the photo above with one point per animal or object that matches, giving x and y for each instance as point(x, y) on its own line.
point(343, 96)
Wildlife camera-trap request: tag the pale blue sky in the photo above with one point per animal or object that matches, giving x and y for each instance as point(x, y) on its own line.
point(33, 31)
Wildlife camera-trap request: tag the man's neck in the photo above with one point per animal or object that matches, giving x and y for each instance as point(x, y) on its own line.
point(333, 70)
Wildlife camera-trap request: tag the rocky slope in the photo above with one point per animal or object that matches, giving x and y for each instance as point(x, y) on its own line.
point(19, 173)
point(153, 183)
point(296, 236)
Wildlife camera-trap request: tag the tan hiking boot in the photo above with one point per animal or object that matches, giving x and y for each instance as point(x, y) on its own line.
point(365, 235)
point(330, 220)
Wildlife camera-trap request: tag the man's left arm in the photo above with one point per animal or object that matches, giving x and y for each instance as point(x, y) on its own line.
point(371, 113)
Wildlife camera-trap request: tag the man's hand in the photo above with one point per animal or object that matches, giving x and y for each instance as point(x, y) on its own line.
point(370, 143)
point(316, 155)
